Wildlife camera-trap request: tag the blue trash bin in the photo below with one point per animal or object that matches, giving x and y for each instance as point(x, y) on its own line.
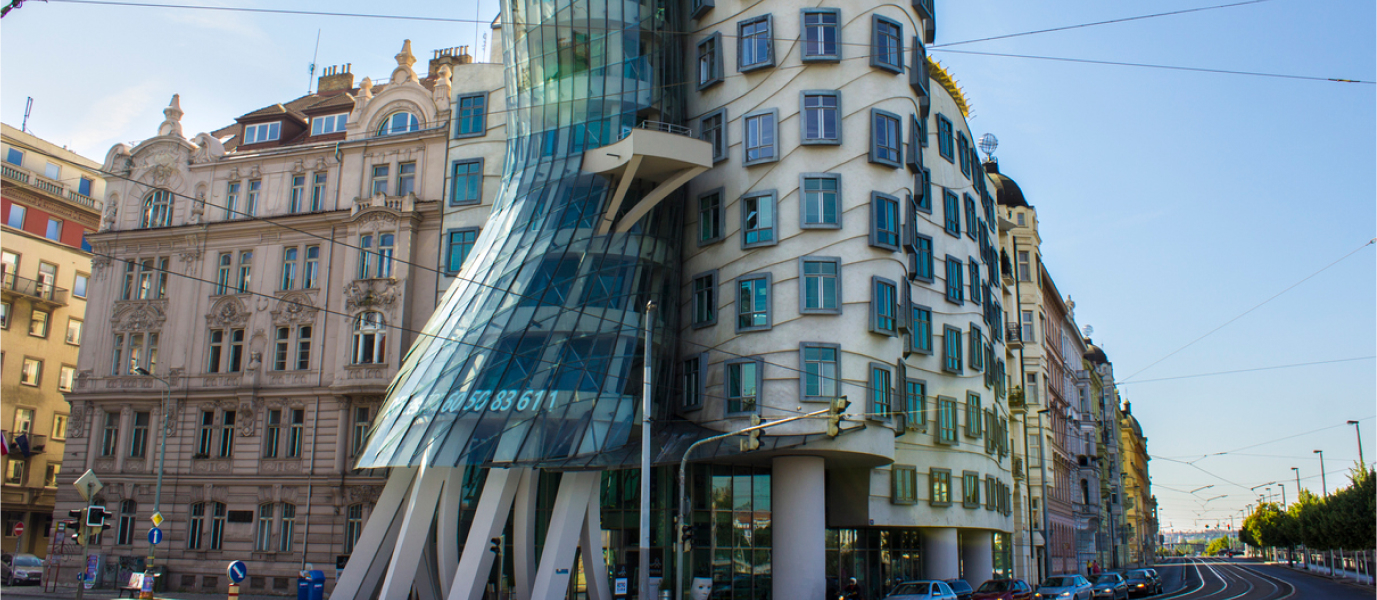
point(317, 580)
point(303, 588)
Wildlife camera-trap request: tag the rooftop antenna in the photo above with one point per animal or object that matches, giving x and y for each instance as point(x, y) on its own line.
point(28, 108)
point(314, 55)
point(987, 144)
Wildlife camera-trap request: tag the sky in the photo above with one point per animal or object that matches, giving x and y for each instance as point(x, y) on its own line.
point(1170, 202)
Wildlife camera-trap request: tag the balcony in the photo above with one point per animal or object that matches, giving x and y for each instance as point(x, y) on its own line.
point(31, 179)
point(659, 153)
point(43, 294)
point(1013, 336)
point(37, 444)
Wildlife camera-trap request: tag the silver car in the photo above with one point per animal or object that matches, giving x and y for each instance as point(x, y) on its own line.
point(922, 590)
point(1065, 587)
point(21, 568)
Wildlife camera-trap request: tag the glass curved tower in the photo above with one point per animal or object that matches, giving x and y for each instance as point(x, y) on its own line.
point(533, 357)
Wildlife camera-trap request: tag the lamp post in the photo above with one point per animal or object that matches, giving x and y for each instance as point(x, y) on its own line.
point(643, 564)
point(1305, 556)
point(1324, 485)
point(1359, 432)
point(1042, 477)
point(162, 462)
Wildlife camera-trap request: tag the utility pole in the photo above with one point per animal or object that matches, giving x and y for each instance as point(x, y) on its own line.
point(1324, 484)
point(643, 564)
point(1358, 431)
point(162, 462)
point(1046, 563)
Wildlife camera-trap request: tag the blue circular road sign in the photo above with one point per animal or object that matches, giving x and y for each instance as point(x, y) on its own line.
point(237, 571)
point(155, 536)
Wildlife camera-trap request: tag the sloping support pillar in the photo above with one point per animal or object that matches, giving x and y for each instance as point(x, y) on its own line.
point(415, 532)
point(614, 204)
point(489, 519)
point(652, 199)
point(427, 584)
point(447, 528)
point(590, 545)
point(369, 561)
point(523, 529)
point(578, 494)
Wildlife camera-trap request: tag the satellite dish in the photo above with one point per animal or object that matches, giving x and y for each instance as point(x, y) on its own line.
point(987, 144)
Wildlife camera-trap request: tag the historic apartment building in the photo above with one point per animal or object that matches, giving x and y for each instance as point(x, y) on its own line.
point(49, 207)
point(1106, 406)
point(255, 289)
point(1140, 505)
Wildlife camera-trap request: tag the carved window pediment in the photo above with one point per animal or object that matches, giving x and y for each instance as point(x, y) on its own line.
point(227, 312)
point(139, 315)
point(294, 309)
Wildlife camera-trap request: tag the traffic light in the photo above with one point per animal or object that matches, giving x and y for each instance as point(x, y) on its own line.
point(752, 441)
point(835, 413)
point(96, 516)
point(77, 526)
point(495, 546)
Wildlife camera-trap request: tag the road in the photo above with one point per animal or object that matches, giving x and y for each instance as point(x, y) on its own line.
point(1239, 579)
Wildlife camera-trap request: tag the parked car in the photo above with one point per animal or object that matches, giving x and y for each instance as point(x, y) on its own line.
point(922, 590)
point(1004, 589)
point(18, 569)
point(1111, 586)
point(1156, 580)
point(1065, 587)
point(962, 589)
point(1140, 583)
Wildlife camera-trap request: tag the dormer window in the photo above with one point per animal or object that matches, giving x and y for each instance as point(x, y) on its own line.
point(401, 122)
point(262, 132)
point(329, 124)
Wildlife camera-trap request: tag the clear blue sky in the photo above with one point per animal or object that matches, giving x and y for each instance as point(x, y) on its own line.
point(1170, 202)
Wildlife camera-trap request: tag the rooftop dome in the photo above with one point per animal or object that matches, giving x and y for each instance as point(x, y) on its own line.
point(1007, 193)
point(1094, 354)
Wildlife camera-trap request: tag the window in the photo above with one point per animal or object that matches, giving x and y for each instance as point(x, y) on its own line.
point(693, 381)
point(262, 132)
point(290, 257)
point(232, 200)
point(376, 264)
point(60, 425)
point(50, 477)
point(5, 310)
point(955, 287)
point(329, 124)
point(380, 179)
point(755, 44)
point(884, 316)
point(970, 489)
point(881, 390)
point(940, 483)
point(920, 340)
point(204, 433)
point(311, 275)
point(758, 220)
point(903, 484)
point(245, 271)
point(79, 285)
point(963, 155)
point(743, 384)
point(821, 289)
point(705, 299)
point(38, 323)
point(991, 493)
point(317, 192)
point(272, 433)
point(753, 303)
point(710, 217)
point(760, 137)
point(23, 420)
point(821, 200)
point(370, 339)
point(885, 138)
point(460, 246)
point(282, 341)
point(946, 420)
point(884, 210)
point(128, 514)
point(353, 526)
point(977, 344)
point(473, 115)
point(138, 436)
point(284, 543)
point(146, 278)
point(157, 209)
point(1027, 333)
point(971, 225)
point(232, 355)
point(916, 403)
point(916, 141)
point(53, 171)
point(714, 130)
point(944, 138)
point(222, 275)
point(975, 279)
point(251, 203)
point(298, 193)
point(16, 216)
point(923, 259)
point(951, 349)
point(110, 434)
point(362, 422)
point(710, 61)
point(226, 447)
point(821, 370)
point(406, 178)
point(466, 183)
point(951, 212)
point(820, 35)
point(975, 415)
point(400, 122)
point(54, 229)
point(32, 372)
point(887, 45)
point(821, 117)
point(262, 539)
point(296, 432)
point(1024, 270)
point(15, 157)
point(197, 527)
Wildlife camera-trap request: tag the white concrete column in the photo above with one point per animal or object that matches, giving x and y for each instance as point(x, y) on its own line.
point(373, 551)
point(415, 532)
point(489, 519)
point(799, 526)
point(940, 553)
point(977, 556)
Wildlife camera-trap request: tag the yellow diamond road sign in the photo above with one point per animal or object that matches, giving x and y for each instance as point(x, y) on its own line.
point(157, 519)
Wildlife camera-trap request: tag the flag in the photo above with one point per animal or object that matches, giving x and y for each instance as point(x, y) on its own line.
point(4, 444)
point(21, 443)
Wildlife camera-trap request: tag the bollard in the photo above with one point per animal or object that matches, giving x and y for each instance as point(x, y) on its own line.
point(234, 591)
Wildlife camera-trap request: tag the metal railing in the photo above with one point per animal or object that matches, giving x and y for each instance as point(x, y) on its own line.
point(35, 289)
point(27, 177)
point(660, 126)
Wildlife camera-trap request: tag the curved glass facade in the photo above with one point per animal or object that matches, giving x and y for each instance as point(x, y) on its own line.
point(535, 352)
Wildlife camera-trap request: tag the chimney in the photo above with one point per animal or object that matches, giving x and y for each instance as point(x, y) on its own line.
point(335, 78)
point(458, 55)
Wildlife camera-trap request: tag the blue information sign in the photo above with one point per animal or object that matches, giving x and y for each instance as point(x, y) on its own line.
point(155, 536)
point(237, 570)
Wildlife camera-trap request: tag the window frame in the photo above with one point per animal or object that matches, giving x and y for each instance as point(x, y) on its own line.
point(970, 492)
point(903, 484)
point(721, 133)
point(717, 64)
point(805, 374)
point(337, 123)
point(920, 341)
point(713, 290)
point(878, 283)
point(897, 141)
point(803, 97)
point(936, 476)
point(449, 248)
point(946, 433)
point(955, 286)
point(804, 28)
point(460, 118)
point(946, 144)
point(454, 182)
point(879, 396)
point(768, 278)
point(719, 213)
point(804, 201)
point(271, 132)
point(917, 410)
point(876, 59)
point(880, 202)
point(975, 415)
point(952, 356)
point(701, 7)
point(699, 376)
point(728, 398)
point(924, 257)
point(772, 197)
point(770, 115)
point(803, 285)
point(742, 39)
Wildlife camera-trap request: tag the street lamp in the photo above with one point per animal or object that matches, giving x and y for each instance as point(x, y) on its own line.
point(162, 461)
point(1324, 485)
point(1358, 431)
point(1201, 488)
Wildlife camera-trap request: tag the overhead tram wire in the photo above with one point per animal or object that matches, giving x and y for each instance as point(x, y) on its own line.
point(1155, 66)
point(1095, 23)
point(1215, 373)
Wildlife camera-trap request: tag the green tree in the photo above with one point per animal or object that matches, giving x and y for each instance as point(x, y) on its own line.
point(1269, 526)
point(1309, 512)
point(1351, 512)
point(1217, 546)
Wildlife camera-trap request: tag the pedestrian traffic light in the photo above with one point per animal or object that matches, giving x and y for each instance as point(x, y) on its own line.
point(96, 516)
point(835, 413)
point(752, 441)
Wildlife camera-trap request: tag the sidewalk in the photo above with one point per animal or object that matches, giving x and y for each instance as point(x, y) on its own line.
point(35, 592)
point(1341, 575)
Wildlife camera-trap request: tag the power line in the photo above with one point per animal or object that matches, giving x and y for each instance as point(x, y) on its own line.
point(1092, 24)
point(1155, 66)
point(1305, 364)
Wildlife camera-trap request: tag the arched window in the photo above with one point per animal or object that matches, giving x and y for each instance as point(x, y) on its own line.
point(399, 122)
point(157, 209)
point(370, 339)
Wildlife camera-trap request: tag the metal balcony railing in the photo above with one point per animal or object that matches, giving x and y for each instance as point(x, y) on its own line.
point(33, 289)
point(27, 177)
point(660, 126)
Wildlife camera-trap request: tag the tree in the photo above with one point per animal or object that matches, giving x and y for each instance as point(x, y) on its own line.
point(1351, 512)
point(1309, 512)
point(1217, 546)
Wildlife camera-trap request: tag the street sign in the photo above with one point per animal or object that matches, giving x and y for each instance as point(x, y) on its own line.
point(88, 485)
point(157, 519)
point(18, 529)
point(155, 536)
point(237, 570)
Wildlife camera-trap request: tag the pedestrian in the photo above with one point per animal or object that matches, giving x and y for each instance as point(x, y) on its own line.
point(1095, 567)
point(852, 591)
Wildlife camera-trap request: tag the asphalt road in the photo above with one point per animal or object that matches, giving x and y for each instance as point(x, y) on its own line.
point(1240, 579)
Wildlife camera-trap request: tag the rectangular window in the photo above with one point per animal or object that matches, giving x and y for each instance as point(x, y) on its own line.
point(970, 489)
point(245, 271)
point(884, 302)
point(923, 259)
point(32, 372)
point(318, 192)
point(977, 345)
point(379, 180)
point(66, 377)
point(15, 157)
point(251, 201)
point(232, 200)
point(281, 348)
point(6, 309)
point(945, 144)
point(272, 433)
point(887, 45)
point(460, 246)
point(821, 371)
point(916, 403)
point(296, 432)
point(23, 420)
point(955, 286)
point(705, 299)
point(79, 285)
point(885, 140)
point(884, 231)
point(971, 225)
point(743, 385)
point(821, 117)
point(940, 483)
point(303, 348)
point(16, 473)
point(38, 323)
point(1027, 333)
point(921, 336)
point(916, 142)
point(1024, 266)
point(329, 124)
point(692, 374)
point(54, 229)
point(974, 267)
point(298, 193)
point(406, 178)
point(710, 217)
point(951, 349)
point(353, 526)
point(262, 132)
point(821, 289)
point(262, 539)
point(753, 303)
point(289, 265)
point(755, 44)
point(714, 128)
point(284, 543)
point(466, 182)
point(50, 477)
point(759, 133)
point(821, 200)
point(963, 153)
point(821, 29)
point(473, 115)
point(951, 212)
point(226, 447)
point(975, 415)
point(203, 434)
point(903, 484)
point(881, 390)
point(110, 434)
point(710, 60)
point(758, 220)
point(236, 351)
point(362, 422)
point(117, 365)
point(16, 216)
point(138, 436)
point(946, 420)
point(311, 274)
